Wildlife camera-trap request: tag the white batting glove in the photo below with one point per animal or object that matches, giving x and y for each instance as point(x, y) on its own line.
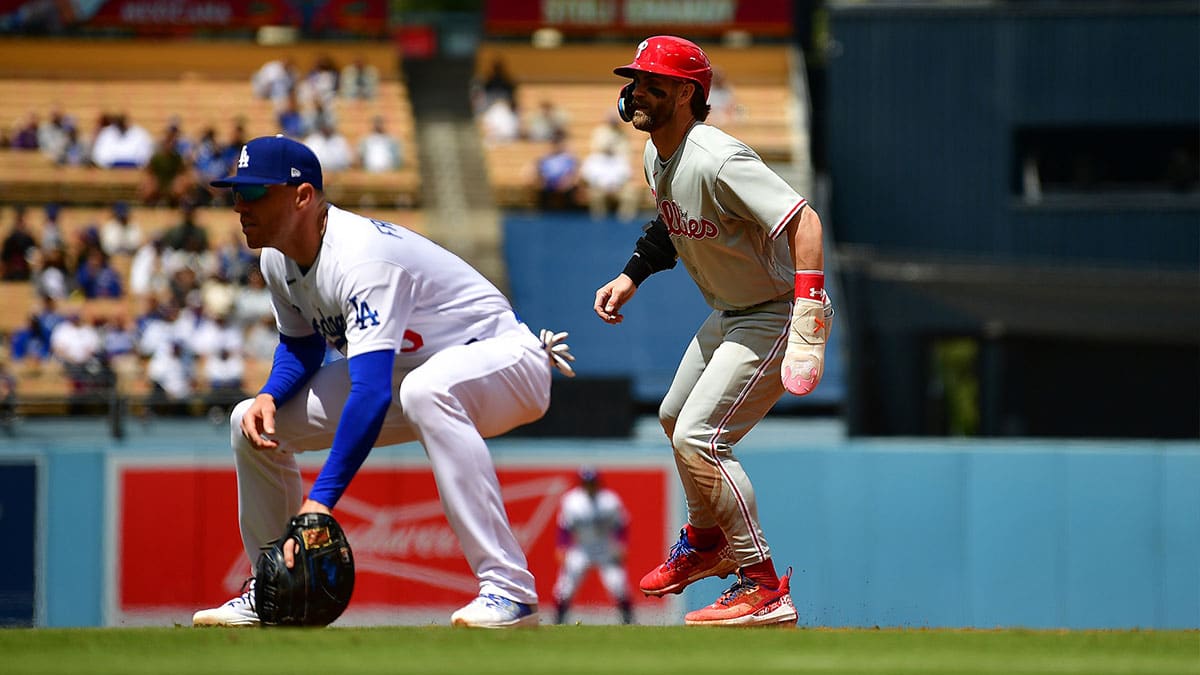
point(804, 359)
point(558, 351)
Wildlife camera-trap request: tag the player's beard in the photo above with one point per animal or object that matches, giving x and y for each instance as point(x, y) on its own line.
point(644, 121)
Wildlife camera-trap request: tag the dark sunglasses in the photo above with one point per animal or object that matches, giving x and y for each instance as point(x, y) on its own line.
point(249, 193)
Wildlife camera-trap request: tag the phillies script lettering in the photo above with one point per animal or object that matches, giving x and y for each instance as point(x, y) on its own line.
point(679, 224)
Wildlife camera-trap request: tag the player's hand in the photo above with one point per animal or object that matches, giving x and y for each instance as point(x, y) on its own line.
point(612, 296)
point(289, 547)
point(804, 356)
point(258, 424)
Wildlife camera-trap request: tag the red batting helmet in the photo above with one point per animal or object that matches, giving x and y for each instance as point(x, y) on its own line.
point(673, 57)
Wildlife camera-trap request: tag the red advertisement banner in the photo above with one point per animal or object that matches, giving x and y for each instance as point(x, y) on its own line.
point(640, 17)
point(365, 17)
point(406, 556)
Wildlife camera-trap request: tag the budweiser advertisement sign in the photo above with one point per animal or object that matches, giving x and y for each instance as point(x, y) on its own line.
point(180, 548)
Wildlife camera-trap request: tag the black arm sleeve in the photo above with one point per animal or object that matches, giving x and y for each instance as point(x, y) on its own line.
point(654, 252)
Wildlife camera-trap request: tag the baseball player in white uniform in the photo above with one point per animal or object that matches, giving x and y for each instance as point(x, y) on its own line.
point(434, 353)
point(593, 531)
point(753, 247)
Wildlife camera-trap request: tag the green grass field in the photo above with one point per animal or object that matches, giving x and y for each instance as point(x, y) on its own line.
point(620, 650)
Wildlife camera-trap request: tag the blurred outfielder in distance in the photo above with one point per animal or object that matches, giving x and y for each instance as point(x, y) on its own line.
point(753, 247)
point(593, 531)
point(434, 353)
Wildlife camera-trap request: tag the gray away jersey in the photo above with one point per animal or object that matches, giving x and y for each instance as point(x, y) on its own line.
point(725, 210)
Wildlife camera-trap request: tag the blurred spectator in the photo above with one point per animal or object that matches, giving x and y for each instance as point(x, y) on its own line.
point(210, 163)
point(183, 286)
point(75, 344)
point(18, 249)
point(31, 341)
point(217, 294)
point(721, 99)
point(120, 235)
point(234, 258)
point(146, 274)
point(322, 83)
point(496, 85)
point(379, 151)
point(187, 234)
point(25, 136)
point(122, 144)
point(96, 278)
point(214, 332)
point(274, 80)
point(262, 337)
point(292, 121)
point(318, 115)
point(331, 148)
point(546, 123)
point(75, 151)
point(52, 231)
point(500, 122)
point(253, 301)
point(117, 336)
point(557, 177)
point(53, 133)
point(232, 150)
point(171, 377)
point(607, 178)
point(169, 178)
point(360, 80)
point(223, 372)
point(51, 278)
point(156, 328)
point(610, 135)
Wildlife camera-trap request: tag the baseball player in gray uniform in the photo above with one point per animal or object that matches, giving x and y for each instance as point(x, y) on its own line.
point(434, 353)
point(753, 247)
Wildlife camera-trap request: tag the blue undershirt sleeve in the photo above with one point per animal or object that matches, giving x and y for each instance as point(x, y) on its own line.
point(296, 359)
point(358, 428)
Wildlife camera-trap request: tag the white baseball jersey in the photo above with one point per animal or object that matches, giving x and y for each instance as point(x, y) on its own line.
point(593, 523)
point(725, 210)
point(465, 369)
point(379, 286)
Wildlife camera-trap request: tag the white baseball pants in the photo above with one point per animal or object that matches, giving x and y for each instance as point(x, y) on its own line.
point(449, 403)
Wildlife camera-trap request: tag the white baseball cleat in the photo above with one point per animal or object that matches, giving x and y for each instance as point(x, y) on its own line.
point(237, 612)
point(494, 611)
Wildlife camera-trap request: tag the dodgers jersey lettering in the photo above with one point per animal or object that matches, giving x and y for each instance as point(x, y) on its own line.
point(725, 211)
point(376, 285)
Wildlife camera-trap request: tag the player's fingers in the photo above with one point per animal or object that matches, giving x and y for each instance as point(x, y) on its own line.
point(268, 421)
point(289, 553)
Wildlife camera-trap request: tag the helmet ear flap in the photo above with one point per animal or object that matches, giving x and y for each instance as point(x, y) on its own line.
point(625, 103)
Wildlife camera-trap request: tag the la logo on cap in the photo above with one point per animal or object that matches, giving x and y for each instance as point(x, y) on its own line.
point(244, 159)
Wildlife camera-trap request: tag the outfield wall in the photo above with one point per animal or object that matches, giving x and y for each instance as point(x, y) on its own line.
point(915, 533)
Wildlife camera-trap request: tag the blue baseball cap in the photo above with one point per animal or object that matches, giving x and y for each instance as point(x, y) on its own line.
point(274, 160)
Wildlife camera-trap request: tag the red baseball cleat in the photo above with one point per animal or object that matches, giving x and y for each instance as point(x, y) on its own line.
point(685, 565)
point(746, 603)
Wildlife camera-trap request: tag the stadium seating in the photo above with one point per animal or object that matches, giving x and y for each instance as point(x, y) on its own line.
point(197, 84)
point(42, 385)
point(579, 80)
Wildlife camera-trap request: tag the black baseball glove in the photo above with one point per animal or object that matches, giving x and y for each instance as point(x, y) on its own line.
point(316, 590)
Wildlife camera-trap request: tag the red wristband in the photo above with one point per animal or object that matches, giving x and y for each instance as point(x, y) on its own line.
point(810, 285)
